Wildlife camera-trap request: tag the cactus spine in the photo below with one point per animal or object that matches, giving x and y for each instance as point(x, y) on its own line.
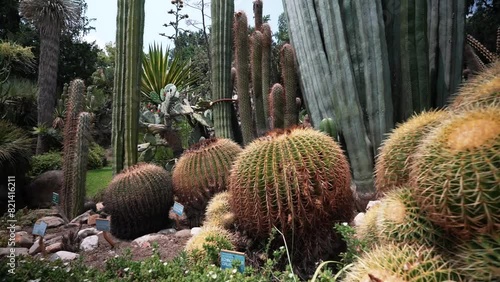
point(76, 134)
point(276, 106)
point(256, 68)
point(221, 42)
point(290, 81)
point(266, 65)
point(125, 120)
point(242, 74)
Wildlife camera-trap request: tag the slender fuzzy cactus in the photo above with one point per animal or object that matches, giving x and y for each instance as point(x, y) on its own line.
point(266, 65)
point(276, 106)
point(74, 152)
point(242, 58)
point(256, 68)
point(125, 120)
point(257, 11)
point(290, 80)
point(221, 42)
point(80, 160)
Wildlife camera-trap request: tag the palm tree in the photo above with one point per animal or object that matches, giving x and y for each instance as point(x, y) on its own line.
point(50, 17)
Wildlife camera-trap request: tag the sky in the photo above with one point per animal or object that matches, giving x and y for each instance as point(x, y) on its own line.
point(104, 13)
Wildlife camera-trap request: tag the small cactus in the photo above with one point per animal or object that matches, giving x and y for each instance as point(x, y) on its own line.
point(277, 106)
point(219, 211)
point(209, 236)
point(290, 81)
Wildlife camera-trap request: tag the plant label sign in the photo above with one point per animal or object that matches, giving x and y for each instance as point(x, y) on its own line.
point(228, 257)
point(178, 208)
point(55, 198)
point(40, 228)
point(102, 224)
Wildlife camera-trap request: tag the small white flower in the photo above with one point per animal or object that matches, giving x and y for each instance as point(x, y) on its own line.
point(290, 275)
point(234, 270)
point(165, 263)
point(66, 263)
point(344, 223)
point(214, 276)
point(116, 256)
point(186, 272)
point(42, 258)
point(282, 248)
point(150, 271)
point(126, 269)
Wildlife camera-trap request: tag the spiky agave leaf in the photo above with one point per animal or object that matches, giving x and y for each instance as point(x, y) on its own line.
point(396, 263)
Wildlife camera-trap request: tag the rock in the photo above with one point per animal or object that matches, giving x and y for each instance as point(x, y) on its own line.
point(99, 206)
point(87, 232)
point(195, 230)
point(90, 205)
point(183, 233)
point(148, 238)
point(92, 219)
point(64, 256)
point(17, 251)
point(39, 192)
point(89, 243)
point(359, 219)
point(23, 239)
point(371, 204)
point(17, 228)
point(53, 240)
point(83, 217)
point(35, 248)
point(54, 247)
point(167, 231)
point(52, 221)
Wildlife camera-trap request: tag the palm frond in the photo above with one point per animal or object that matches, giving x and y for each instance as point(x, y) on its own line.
point(46, 14)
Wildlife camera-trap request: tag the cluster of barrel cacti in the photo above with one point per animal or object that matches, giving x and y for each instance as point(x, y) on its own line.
point(439, 175)
point(76, 147)
point(273, 107)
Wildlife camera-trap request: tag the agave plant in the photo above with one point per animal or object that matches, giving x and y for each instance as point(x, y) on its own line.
point(158, 71)
point(15, 149)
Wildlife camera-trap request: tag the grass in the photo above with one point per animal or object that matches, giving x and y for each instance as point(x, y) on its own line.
point(98, 179)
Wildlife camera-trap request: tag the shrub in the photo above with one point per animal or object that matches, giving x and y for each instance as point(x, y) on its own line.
point(45, 162)
point(97, 156)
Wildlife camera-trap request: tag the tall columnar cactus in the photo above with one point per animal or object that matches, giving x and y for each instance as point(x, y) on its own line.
point(392, 168)
point(456, 171)
point(393, 263)
point(257, 12)
point(139, 200)
point(291, 83)
point(242, 58)
point(201, 172)
point(297, 180)
point(277, 106)
point(75, 151)
point(221, 41)
point(256, 68)
point(266, 65)
point(126, 96)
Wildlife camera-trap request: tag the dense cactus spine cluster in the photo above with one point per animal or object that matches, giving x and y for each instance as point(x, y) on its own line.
point(139, 200)
point(201, 172)
point(290, 81)
point(276, 106)
point(256, 40)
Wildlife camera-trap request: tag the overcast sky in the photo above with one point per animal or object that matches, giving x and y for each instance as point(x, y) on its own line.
point(104, 12)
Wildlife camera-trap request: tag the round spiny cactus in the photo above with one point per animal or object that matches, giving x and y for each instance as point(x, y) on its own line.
point(396, 263)
point(483, 90)
point(297, 180)
point(201, 172)
point(456, 173)
point(219, 212)
point(209, 236)
point(395, 155)
point(479, 259)
point(401, 220)
point(368, 229)
point(139, 200)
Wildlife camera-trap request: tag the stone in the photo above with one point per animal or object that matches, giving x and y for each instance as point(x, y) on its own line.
point(52, 221)
point(35, 248)
point(53, 240)
point(17, 228)
point(359, 219)
point(90, 205)
point(83, 217)
point(99, 206)
point(167, 231)
point(89, 243)
point(39, 192)
point(64, 256)
point(24, 239)
point(195, 230)
point(54, 247)
point(87, 232)
point(92, 219)
point(371, 204)
point(17, 251)
point(148, 238)
point(183, 233)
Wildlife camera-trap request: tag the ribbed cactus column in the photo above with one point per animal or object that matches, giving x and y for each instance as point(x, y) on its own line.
point(256, 68)
point(277, 106)
point(221, 41)
point(257, 12)
point(126, 96)
point(290, 81)
point(76, 146)
point(266, 65)
point(242, 59)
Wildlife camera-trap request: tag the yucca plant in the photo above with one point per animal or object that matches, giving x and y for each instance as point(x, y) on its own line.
point(158, 71)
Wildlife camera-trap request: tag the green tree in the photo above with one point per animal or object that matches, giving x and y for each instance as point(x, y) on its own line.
point(50, 17)
point(483, 21)
point(282, 36)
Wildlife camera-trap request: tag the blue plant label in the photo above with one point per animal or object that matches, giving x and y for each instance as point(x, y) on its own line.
point(102, 224)
point(40, 228)
point(178, 208)
point(227, 258)
point(55, 198)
